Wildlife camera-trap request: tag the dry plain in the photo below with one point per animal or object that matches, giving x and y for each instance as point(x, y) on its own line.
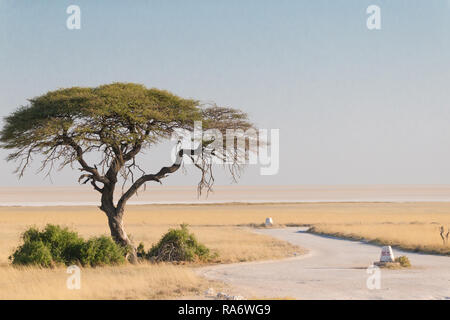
point(225, 228)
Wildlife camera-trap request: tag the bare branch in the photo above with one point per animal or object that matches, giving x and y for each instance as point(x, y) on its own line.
point(163, 173)
point(79, 152)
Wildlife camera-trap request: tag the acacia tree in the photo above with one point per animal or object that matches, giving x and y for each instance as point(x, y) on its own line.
point(113, 124)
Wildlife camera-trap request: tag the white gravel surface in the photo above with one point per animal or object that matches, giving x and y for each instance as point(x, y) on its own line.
point(334, 269)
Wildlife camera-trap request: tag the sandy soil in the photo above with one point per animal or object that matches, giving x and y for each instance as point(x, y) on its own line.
point(334, 269)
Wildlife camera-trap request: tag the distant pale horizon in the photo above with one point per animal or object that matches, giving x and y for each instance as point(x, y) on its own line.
point(160, 195)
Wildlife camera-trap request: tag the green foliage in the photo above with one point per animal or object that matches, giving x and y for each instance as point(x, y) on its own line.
point(404, 261)
point(63, 244)
point(86, 111)
point(112, 116)
point(179, 245)
point(101, 251)
point(110, 119)
point(33, 253)
point(55, 245)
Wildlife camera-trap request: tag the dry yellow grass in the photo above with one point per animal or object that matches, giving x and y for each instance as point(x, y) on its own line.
point(421, 237)
point(411, 225)
point(144, 281)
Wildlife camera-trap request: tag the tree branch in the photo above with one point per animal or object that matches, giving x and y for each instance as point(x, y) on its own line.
point(158, 176)
point(93, 183)
point(79, 152)
point(137, 147)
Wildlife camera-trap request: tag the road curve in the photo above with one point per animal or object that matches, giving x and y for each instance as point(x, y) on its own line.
point(333, 269)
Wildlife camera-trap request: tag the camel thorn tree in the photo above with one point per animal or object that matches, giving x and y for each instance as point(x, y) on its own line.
point(114, 123)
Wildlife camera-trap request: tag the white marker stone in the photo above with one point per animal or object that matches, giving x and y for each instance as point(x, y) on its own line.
point(387, 255)
point(269, 222)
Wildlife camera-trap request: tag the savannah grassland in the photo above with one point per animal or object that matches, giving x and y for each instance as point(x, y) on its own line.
point(225, 228)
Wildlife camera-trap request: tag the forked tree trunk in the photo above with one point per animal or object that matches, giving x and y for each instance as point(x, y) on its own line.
point(115, 222)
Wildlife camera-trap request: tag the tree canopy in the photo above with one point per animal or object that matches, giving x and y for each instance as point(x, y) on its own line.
point(118, 120)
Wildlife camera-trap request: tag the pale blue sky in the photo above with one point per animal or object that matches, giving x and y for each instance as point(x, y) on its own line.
point(353, 106)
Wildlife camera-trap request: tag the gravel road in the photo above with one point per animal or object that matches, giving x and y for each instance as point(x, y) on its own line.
point(334, 269)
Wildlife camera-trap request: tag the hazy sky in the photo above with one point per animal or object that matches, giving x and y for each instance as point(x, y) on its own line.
point(353, 106)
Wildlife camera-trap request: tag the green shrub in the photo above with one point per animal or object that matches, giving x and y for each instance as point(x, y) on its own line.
point(101, 251)
point(55, 245)
point(64, 245)
point(33, 253)
point(179, 245)
point(404, 261)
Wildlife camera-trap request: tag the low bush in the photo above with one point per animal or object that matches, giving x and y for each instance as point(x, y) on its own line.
point(404, 261)
point(101, 251)
point(33, 253)
point(55, 245)
point(64, 245)
point(178, 245)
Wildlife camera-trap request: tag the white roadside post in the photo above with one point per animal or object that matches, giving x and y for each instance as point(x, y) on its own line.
point(387, 255)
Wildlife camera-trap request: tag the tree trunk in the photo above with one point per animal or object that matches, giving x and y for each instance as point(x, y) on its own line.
point(120, 236)
point(115, 222)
